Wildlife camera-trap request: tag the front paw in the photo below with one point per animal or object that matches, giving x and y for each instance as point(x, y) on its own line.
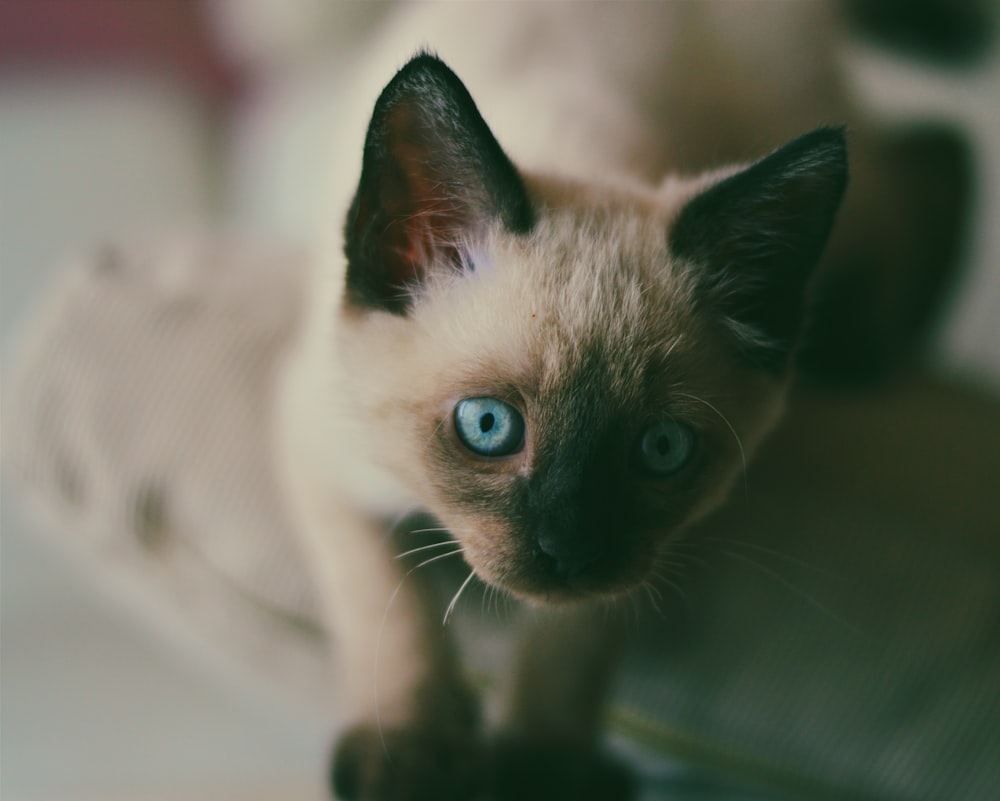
point(524, 770)
point(406, 764)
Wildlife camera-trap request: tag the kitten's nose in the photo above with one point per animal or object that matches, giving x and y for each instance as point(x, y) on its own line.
point(566, 557)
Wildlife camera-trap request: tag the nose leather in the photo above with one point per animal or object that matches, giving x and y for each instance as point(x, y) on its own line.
point(568, 556)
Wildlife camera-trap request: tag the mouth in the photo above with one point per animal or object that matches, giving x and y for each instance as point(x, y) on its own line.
point(539, 578)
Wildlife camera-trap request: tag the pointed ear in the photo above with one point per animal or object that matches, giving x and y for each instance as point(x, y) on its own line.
point(754, 238)
point(432, 179)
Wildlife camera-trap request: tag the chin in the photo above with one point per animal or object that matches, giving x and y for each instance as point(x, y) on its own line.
point(534, 583)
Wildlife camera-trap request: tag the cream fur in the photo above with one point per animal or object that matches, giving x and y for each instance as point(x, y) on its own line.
point(366, 393)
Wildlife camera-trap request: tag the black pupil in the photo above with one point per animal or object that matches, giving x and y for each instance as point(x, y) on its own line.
point(663, 445)
point(486, 422)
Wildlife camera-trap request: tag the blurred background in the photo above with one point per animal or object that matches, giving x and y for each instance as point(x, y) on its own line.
point(162, 115)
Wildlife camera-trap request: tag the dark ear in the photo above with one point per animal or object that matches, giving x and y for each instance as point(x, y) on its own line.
point(754, 238)
point(433, 177)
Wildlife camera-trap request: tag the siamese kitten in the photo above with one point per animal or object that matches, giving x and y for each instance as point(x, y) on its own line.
point(564, 374)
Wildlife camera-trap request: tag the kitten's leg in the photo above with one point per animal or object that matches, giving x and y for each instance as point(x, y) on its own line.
point(550, 745)
point(414, 734)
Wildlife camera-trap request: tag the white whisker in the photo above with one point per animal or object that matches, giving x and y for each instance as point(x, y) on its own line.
point(434, 433)
point(451, 606)
point(398, 519)
point(381, 631)
point(732, 430)
point(773, 553)
point(495, 595)
point(456, 552)
point(487, 599)
point(798, 591)
point(378, 655)
point(671, 570)
point(679, 590)
point(412, 551)
point(433, 530)
point(654, 596)
point(686, 556)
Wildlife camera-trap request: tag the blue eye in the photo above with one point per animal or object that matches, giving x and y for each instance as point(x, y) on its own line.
point(665, 447)
point(489, 427)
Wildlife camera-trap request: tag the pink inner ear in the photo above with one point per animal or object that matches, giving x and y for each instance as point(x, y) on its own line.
point(416, 240)
point(426, 218)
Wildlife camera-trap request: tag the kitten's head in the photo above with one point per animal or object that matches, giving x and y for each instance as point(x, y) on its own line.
point(568, 374)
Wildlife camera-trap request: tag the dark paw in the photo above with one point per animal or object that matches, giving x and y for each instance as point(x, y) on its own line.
point(529, 771)
point(406, 764)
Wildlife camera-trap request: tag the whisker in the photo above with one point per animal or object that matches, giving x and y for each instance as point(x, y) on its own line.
point(679, 590)
point(795, 590)
point(378, 657)
point(434, 433)
point(654, 596)
point(425, 548)
point(608, 604)
point(451, 606)
point(616, 604)
point(671, 570)
point(490, 604)
point(434, 559)
point(496, 594)
point(378, 641)
point(684, 551)
point(433, 530)
point(732, 430)
point(776, 554)
point(398, 520)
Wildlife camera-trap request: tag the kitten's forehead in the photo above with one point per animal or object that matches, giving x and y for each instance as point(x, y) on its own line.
point(590, 292)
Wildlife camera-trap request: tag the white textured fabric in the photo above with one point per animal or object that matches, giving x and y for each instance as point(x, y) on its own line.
point(842, 639)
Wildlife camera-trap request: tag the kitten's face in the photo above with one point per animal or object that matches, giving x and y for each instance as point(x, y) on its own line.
point(555, 370)
point(576, 346)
